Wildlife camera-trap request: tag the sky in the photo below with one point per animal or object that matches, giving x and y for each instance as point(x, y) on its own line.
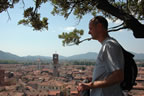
point(23, 41)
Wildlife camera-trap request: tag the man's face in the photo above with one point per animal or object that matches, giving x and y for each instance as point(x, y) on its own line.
point(94, 30)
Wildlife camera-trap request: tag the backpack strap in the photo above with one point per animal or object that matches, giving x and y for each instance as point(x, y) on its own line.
point(126, 52)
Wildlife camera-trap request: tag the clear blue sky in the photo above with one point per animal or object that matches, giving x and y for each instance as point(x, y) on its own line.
point(22, 40)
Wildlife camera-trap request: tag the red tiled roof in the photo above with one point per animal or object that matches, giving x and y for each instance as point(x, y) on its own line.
point(74, 92)
point(53, 92)
point(53, 83)
point(139, 86)
point(139, 79)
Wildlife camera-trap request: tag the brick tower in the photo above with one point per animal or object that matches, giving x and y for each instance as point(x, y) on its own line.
point(38, 64)
point(55, 65)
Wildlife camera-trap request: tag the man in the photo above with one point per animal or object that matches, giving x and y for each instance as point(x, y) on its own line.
point(108, 70)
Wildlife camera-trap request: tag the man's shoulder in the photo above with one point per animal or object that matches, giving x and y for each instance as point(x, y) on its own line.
point(112, 42)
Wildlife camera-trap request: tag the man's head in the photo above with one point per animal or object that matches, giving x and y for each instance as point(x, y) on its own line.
point(98, 27)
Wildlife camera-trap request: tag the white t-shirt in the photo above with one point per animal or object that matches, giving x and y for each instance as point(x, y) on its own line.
point(110, 58)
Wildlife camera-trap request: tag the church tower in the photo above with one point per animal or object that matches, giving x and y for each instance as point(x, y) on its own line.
point(55, 65)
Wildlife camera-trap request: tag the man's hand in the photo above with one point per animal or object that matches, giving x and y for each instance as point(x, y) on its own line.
point(116, 77)
point(83, 86)
point(89, 78)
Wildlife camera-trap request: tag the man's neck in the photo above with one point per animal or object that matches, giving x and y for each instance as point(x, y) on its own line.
point(102, 38)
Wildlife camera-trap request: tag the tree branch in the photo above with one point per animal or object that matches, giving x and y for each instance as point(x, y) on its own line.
point(9, 18)
point(117, 29)
point(84, 40)
point(131, 22)
point(117, 26)
point(71, 10)
point(77, 43)
point(23, 3)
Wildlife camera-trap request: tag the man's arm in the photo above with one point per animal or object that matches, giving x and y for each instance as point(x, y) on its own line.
point(116, 77)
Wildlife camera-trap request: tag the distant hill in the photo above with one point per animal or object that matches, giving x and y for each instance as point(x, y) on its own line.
point(88, 56)
point(138, 56)
point(34, 58)
point(8, 56)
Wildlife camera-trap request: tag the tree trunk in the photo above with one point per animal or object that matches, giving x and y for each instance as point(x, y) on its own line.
point(131, 22)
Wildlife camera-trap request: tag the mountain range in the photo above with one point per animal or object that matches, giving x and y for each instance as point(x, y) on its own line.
point(85, 56)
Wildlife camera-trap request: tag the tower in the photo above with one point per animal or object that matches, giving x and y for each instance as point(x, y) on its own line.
point(55, 65)
point(38, 64)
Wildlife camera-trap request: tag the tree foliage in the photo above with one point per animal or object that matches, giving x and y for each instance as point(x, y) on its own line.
point(32, 18)
point(129, 11)
point(71, 37)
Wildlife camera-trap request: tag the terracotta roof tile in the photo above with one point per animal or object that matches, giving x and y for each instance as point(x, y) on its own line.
point(53, 92)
